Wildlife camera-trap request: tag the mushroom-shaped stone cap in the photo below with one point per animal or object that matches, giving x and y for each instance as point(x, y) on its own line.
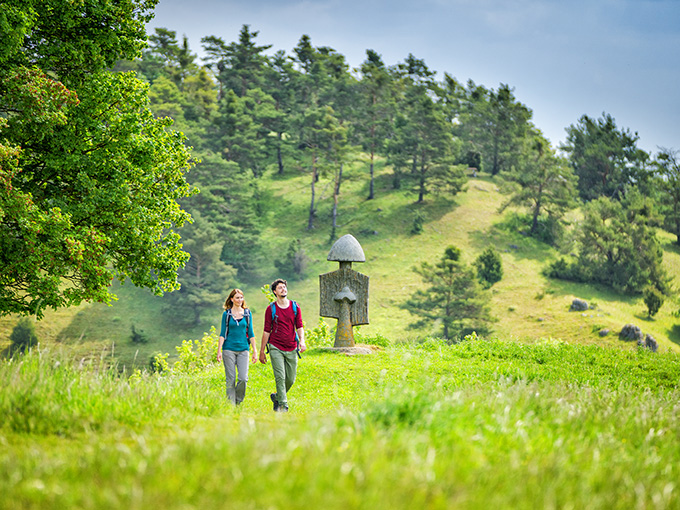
point(347, 249)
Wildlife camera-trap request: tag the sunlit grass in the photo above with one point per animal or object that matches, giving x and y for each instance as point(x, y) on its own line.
point(474, 425)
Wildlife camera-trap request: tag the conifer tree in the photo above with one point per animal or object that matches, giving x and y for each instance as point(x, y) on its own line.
point(205, 277)
point(606, 159)
point(453, 298)
point(376, 113)
point(544, 183)
point(668, 185)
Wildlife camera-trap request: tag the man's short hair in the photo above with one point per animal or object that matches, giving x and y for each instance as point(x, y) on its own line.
point(276, 282)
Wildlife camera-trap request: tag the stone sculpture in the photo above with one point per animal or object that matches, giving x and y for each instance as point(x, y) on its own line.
point(344, 293)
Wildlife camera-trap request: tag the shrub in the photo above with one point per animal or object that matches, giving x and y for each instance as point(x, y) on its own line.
point(562, 269)
point(489, 267)
point(653, 299)
point(23, 335)
point(320, 336)
point(158, 363)
point(196, 355)
point(377, 339)
point(418, 221)
point(138, 337)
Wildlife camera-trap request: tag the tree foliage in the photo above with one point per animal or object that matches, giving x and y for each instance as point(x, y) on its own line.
point(653, 299)
point(489, 267)
point(544, 183)
point(23, 335)
point(618, 246)
point(493, 125)
point(90, 179)
point(667, 166)
point(453, 297)
point(606, 159)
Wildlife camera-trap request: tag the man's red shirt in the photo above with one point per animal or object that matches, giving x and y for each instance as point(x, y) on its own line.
point(282, 333)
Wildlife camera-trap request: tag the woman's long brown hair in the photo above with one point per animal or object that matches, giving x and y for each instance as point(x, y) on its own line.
point(229, 303)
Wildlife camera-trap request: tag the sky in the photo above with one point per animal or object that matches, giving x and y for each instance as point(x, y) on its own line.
point(563, 58)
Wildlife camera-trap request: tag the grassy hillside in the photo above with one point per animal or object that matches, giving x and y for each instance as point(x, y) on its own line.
point(528, 306)
point(474, 425)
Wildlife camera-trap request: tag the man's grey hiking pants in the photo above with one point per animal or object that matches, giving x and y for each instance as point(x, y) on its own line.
point(284, 364)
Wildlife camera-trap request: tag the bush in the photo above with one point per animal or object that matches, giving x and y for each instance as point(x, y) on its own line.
point(564, 270)
point(320, 336)
point(418, 221)
point(377, 340)
point(550, 231)
point(196, 355)
point(653, 299)
point(158, 363)
point(138, 337)
point(23, 335)
point(489, 267)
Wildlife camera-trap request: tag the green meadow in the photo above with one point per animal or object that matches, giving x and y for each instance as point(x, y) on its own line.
point(479, 424)
point(545, 413)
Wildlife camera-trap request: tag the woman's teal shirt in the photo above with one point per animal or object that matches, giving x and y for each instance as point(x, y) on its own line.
point(239, 331)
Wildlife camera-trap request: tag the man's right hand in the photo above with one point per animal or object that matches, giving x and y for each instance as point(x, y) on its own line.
point(263, 357)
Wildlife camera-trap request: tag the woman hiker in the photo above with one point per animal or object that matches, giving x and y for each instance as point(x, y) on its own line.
point(236, 337)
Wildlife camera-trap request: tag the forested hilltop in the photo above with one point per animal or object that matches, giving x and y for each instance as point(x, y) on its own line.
point(254, 113)
point(292, 150)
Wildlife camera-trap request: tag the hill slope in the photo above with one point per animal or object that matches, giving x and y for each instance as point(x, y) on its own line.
point(528, 306)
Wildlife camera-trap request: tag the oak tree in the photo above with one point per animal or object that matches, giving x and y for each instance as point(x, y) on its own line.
point(89, 177)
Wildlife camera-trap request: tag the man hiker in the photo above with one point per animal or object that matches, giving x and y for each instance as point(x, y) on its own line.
point(284, 333)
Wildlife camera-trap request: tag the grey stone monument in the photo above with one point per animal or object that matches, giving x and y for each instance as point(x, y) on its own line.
point(344, 293)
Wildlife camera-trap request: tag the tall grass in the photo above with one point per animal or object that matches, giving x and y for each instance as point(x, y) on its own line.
point(473, 425)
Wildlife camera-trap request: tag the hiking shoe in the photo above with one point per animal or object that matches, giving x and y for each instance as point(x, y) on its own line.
point(283, 409)
point(276, 402)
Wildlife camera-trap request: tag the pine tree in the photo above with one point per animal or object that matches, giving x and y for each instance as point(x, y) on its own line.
point(454, 298)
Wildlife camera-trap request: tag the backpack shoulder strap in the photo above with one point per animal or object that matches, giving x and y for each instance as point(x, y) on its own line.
point(227, 321)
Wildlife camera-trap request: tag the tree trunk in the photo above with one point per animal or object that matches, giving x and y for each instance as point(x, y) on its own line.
point(370, 189)
point(421, 191)
point(336, 197)
point(279, 156)
point(537, 211)
point(310, 223)
point(496, 166)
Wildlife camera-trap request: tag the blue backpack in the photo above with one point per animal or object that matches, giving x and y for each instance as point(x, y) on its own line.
point(246, 316)
point(274, 323)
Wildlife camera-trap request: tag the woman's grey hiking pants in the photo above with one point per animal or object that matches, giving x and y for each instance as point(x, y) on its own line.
point(284, 364)
point(236, 391)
